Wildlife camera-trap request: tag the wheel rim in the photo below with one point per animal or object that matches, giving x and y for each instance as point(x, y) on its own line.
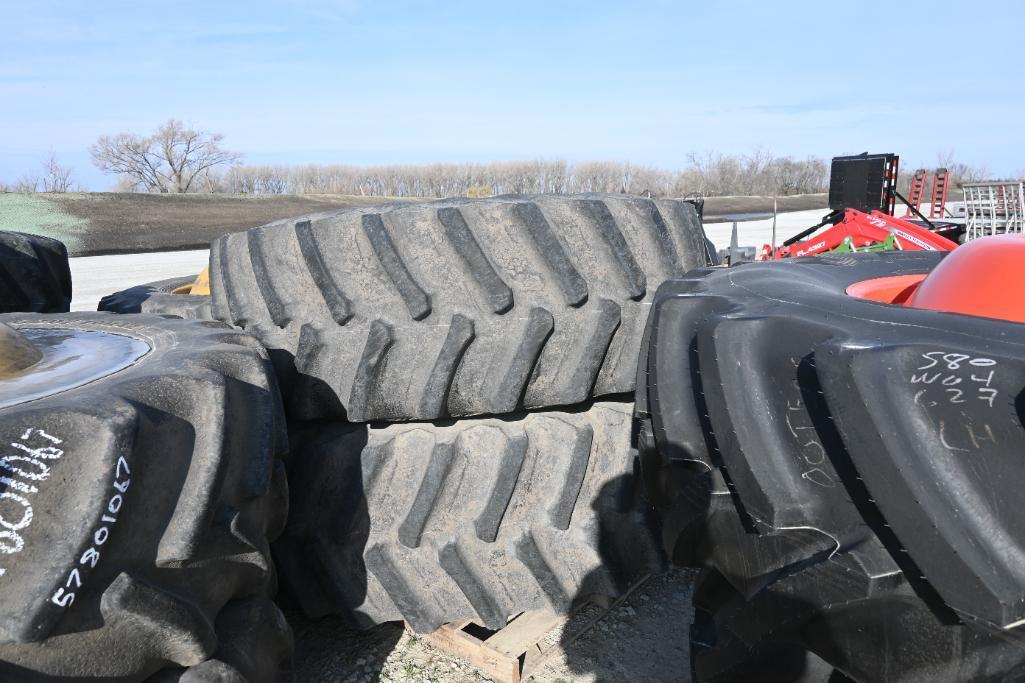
point(65, 359)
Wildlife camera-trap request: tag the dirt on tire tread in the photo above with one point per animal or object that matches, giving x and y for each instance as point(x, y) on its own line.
point(455, 308)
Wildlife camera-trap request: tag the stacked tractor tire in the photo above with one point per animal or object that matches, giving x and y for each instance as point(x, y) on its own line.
point(459, 378)
point(418, 412)
point(847, 472)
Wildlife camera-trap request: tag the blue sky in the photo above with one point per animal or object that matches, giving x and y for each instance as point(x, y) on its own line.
point(368, 83)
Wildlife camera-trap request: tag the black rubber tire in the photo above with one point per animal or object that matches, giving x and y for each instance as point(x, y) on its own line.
point(34, 274)
point(253, 639)
point(454, 308)
point(158, 298)
point(181, 449)
point(788, 427)
point(472, 519)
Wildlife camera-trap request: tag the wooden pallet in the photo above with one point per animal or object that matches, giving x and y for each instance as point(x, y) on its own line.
point(520, 648)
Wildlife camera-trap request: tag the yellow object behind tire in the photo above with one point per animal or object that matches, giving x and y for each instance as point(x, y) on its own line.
point(198, 287)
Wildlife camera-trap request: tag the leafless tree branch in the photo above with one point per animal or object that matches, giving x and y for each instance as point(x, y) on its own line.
point(169, 160)
point(56, 176)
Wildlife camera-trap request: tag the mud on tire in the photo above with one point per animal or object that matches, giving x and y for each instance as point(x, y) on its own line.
point(474, 519)
point(454, 308)
point(34, 274)
point(139, 494)
point(158, 298)
point(848, 467)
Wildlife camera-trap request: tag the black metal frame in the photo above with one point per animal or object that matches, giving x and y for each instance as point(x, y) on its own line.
point(867, 182)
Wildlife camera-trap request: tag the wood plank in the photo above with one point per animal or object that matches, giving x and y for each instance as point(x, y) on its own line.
point(534, 662)
point(499, 666)
point(524, 631)
point(499, 655)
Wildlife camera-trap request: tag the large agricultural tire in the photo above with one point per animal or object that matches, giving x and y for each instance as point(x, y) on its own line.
point(142, 484)
point(471, 519)
point(851, 468)
point(454, 308)
point(159, 298)
point(34, 274)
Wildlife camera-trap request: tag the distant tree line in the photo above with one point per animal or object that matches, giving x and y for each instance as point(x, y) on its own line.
point(708, 175)
point(176, 158)
point(957, 173)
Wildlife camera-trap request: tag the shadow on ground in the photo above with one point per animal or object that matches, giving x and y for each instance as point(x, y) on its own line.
point(646, 636)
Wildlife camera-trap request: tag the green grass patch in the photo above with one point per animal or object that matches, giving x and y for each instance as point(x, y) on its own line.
point(37, 215)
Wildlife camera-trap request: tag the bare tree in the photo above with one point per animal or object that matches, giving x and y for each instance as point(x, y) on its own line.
point(169, 160)
point(56, 176)
point(958, 172)
point(961, 172)
point(126, 184)
point(26, 184)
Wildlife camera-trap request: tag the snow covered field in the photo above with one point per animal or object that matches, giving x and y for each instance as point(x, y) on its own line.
point(757, 233)
point(94, 277)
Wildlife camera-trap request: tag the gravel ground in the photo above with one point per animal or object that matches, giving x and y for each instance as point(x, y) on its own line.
point(645, 638)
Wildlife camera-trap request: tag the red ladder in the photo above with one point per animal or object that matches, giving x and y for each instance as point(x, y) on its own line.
point(939, 194)
point(917, 189)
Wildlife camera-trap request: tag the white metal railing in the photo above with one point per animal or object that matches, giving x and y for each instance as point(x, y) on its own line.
point(994, 207)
